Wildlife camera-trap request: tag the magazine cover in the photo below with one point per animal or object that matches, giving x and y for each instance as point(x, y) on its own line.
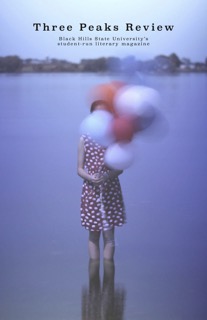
point(103, 160)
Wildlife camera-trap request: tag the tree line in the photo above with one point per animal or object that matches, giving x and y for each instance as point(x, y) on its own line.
point(161, 63)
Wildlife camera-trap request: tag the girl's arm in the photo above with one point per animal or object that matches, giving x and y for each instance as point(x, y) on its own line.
point(81, 157)
point(113, 173)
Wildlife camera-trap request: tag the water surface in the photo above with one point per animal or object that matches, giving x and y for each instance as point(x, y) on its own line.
point(160, 262)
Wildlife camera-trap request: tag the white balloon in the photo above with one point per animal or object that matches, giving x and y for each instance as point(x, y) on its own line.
point(136, 100)
point(98, 126)
point(119, 156)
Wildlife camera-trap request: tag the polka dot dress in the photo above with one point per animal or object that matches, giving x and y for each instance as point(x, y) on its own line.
point(102, 206)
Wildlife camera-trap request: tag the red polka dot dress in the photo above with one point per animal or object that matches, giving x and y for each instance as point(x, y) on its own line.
point(102, 206)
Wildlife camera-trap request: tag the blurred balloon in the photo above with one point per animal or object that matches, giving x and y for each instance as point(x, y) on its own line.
point(119, 156)
point(147, 116)
point(123, 128)
point(136, 100)
point(106, 92)
point(129, 109)
point(98, 125)
point(155, 130)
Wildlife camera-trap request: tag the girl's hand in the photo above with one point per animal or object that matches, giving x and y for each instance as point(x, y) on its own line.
point(98, 179)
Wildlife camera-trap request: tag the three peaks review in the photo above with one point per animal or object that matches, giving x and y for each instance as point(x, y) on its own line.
point(103, 27)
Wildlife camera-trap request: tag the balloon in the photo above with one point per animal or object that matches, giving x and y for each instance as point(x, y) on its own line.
point(145, 119)
point(106, 92)
point(98, 126)
point(119, 156)
point(134, 100)
point(123, 128)
point(156, 130)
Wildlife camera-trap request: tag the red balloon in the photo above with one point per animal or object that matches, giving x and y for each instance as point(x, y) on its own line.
point(123, 128)
point(107, 93)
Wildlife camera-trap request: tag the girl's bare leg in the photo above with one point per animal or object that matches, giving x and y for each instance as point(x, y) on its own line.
point(109, 244)
point(93, 245)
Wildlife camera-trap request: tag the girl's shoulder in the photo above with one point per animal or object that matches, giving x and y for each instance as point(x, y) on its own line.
point(84, 137)
point(86, 140)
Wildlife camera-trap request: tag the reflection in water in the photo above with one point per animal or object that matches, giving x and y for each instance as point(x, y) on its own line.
point(104, 302)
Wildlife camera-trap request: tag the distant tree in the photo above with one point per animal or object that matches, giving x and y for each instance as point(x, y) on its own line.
point(11, 64)
point(113, 64)
point(93, 65)
point(2, 66)
point(100, 64)
point(54, 60)
point(28, 60)
point(163, 63)
point(174, 58)
point(186, 61)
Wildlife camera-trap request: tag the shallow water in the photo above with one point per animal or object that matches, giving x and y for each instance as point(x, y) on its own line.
point(160, 261)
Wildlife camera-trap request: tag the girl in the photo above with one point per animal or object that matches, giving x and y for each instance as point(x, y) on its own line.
point(102, 206)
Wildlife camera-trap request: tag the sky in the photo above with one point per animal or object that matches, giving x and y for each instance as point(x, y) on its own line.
point(187, 39)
